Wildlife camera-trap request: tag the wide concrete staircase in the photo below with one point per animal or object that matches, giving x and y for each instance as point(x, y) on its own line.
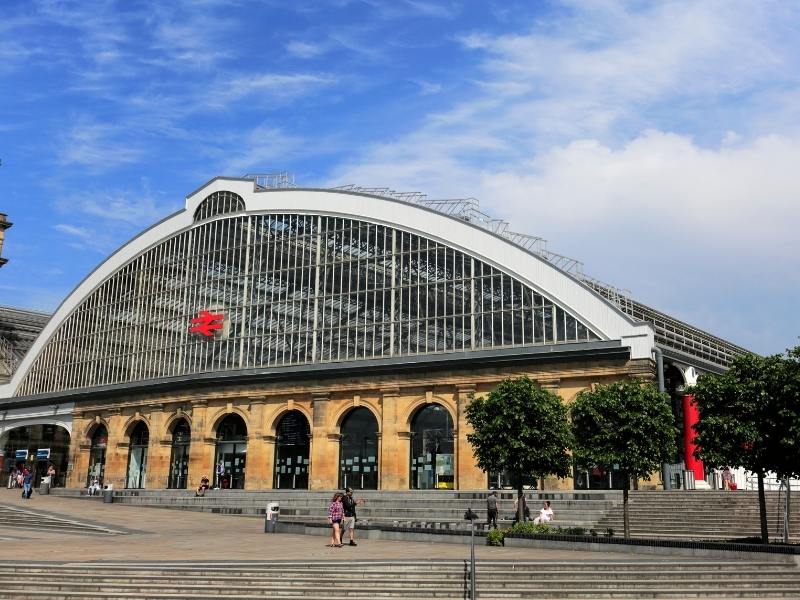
point(442, 509)
point(699, 515)
point(315, 580)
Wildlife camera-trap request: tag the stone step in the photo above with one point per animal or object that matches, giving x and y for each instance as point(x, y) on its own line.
point(311, 580)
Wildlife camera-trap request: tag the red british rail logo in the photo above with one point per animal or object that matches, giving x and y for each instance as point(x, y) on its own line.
point(206, 323)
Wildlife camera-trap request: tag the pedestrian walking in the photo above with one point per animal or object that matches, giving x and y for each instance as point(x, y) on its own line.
point(727, 478)
point(26, 485)
point(349, 521)
point(491, 510)
point(335, 516)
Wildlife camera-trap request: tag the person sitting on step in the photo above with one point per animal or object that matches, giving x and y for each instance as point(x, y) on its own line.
point(546, 514)
point(201, 489)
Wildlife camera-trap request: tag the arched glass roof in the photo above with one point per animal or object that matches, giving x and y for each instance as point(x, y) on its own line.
point(271, 290)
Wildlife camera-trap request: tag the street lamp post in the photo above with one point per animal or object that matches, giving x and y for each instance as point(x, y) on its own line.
point(471, 516)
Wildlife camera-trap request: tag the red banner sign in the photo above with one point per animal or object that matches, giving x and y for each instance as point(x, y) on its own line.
point(206, 323)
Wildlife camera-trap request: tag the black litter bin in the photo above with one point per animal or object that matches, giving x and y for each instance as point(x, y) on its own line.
point(108, 496)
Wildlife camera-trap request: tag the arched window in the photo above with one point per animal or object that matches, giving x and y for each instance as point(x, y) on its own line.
point(358, 451)
point(137, 456)
point(292, 451)
point(179, 460)
point(219, 203)
point(432, 449)
point(231, 453)
point(97, 455)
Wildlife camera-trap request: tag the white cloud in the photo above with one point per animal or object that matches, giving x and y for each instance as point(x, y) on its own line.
point(268, 87)
point(729, 201)
point(84, 238)
point(138, 210)
point(97, 146)
point(304, 49)
point(262, 149)
point(427, 87)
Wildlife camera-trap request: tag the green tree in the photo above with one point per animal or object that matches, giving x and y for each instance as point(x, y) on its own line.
point(522, 428)
point(627, 423)
point(750, 418)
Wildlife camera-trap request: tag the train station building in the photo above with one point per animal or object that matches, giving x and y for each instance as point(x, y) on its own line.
point(272, 336)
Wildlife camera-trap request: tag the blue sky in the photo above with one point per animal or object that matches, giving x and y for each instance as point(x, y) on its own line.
point(657, 142)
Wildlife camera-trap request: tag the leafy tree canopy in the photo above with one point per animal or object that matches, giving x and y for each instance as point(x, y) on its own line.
point(520, 427)
point(626, 423)
point(750, 415)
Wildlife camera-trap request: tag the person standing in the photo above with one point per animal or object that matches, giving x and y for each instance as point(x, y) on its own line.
point(220, 473)
point(335, 516)
point(26, 484)
point(491, 510)
point(349, 522)
point(51, 473)
point(727, 478)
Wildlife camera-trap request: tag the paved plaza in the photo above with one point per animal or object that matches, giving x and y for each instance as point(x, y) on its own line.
point(163, 534)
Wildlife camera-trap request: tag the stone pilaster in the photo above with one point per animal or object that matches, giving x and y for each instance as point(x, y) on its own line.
point(160, 449)
point(395, 448)
point(324, 452)
point(259, 469)
point(202, 447)
point(468, 475)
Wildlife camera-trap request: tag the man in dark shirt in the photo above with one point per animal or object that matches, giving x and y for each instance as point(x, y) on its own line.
point(491, 510)
point(349, 522)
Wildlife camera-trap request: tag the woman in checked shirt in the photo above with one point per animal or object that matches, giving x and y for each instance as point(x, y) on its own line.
point(335, 515)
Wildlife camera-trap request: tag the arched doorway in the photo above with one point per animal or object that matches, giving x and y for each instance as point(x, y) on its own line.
point(36, 447)
point(432, 449)
point(179, 458)
point(97, 455)
point(231, 452)
point(292, 449)
point(137, 456)
point(358, 450)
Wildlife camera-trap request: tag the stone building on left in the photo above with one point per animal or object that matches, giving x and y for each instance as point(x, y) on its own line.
point(35, 436)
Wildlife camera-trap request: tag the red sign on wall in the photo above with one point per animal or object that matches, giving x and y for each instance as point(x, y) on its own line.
point(206, 323)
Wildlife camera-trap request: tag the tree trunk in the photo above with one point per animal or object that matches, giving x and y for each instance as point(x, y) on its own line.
point(762, 509)
point(788, 522)
point(625, 517)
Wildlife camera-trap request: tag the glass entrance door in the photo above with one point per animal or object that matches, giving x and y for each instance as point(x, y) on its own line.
point(179, 467)
point(179, 460)
point(137, 457)
point(97, 456)
point(358, 451)
point(233, 456)
point(231, 452)
point(432, 449)
point(137, 467)
point(292, 449)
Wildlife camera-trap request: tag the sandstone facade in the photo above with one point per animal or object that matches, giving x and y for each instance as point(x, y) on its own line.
point(393, 399)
